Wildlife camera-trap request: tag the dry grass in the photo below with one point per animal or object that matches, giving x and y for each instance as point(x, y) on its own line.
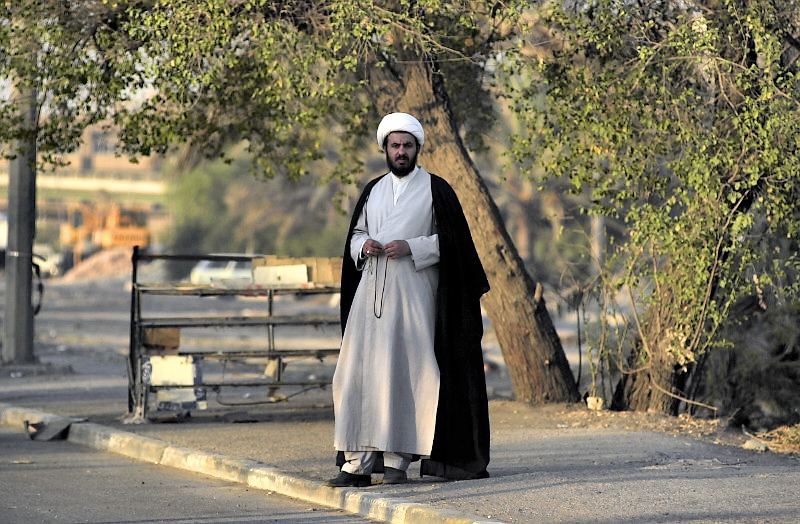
point(785, 439)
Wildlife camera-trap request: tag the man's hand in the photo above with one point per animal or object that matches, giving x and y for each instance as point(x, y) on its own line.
point(397, 249)
point(372, 248)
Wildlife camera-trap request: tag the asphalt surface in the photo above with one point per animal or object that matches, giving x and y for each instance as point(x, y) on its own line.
point(538, 474)
point(60, 482)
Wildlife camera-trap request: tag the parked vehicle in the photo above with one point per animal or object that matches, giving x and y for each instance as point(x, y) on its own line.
point(210, 271)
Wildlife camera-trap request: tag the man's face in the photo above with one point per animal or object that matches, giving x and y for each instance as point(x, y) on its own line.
point(401, 153)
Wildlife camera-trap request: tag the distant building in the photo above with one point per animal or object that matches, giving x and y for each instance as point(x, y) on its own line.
point(95, 166)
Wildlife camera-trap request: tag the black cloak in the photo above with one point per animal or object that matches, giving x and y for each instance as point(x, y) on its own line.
point(461, 438)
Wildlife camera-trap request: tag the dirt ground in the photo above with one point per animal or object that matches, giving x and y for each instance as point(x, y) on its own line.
point(578, 416)
point(784, 440)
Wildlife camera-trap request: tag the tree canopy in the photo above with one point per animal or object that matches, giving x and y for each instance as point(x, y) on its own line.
point(278, 75)
point(683, 121)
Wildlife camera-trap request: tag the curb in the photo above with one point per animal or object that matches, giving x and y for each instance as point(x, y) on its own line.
point(253, 473)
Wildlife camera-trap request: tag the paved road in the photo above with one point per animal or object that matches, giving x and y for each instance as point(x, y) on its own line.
point(56, 481)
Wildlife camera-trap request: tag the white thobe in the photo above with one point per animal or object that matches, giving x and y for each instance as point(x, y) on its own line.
point(386, 384)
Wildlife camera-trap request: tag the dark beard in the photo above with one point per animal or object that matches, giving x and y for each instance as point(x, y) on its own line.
point(401, 171)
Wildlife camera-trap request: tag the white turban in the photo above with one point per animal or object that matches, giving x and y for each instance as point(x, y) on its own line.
point(400, 122)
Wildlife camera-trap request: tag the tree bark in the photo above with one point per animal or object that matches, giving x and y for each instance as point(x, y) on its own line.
point(652, 387)
point(531, 347)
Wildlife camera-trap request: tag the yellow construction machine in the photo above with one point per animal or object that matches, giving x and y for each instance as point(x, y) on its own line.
point(92, 226)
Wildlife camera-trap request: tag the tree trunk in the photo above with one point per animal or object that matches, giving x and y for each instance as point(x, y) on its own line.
point(531, 348)
point(651, 387)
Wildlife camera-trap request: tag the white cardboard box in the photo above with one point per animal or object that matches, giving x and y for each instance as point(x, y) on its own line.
point(281, 275)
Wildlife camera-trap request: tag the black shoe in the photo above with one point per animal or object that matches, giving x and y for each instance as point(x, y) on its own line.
point(348, 480)
point(394, 476)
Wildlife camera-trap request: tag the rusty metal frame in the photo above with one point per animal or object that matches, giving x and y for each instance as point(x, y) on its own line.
point(139, 387)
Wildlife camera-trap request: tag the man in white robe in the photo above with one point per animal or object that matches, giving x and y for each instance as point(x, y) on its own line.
point(386, 384)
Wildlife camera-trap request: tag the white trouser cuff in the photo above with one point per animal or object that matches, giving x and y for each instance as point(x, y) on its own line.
point(362, 462)
point(399, 461)
point(359, 462)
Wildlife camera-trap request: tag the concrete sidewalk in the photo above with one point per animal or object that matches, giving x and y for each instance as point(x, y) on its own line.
point(539, 474)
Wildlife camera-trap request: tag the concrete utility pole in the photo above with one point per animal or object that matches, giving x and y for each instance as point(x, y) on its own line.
point(18, 324)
